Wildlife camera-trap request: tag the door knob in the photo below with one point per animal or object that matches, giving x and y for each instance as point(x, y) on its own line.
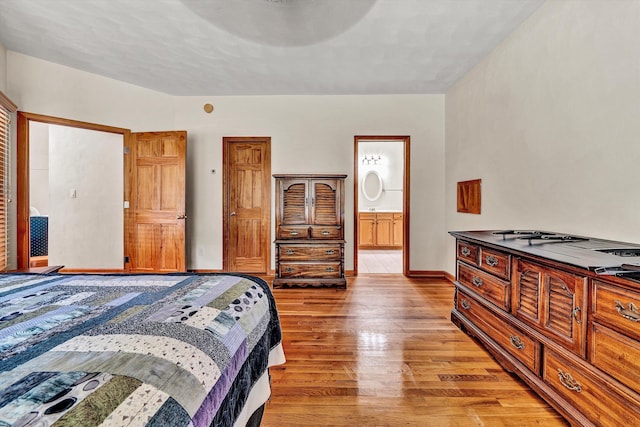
point(233, 213)
point(181, 216)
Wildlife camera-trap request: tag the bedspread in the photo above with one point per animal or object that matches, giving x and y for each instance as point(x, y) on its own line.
point(129, 350)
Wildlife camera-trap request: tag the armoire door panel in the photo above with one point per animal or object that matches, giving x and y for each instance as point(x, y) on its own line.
point(295, 201)
point(325, 207)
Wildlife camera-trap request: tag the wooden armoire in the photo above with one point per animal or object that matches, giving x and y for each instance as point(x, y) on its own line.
point(309, 230)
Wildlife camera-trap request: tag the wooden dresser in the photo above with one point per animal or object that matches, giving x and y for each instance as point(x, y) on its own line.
point(556, 315)
point(309, 230)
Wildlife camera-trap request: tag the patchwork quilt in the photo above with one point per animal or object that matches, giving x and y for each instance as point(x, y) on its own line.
point(132, 350)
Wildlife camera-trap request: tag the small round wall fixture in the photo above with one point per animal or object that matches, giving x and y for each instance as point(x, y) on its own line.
point(372, 186)
point(208, 108)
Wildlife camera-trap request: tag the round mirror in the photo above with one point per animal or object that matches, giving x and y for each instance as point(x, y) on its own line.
point(372, 186)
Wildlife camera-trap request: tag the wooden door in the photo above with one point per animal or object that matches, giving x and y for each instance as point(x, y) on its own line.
point(367, 224)
point(157, 202)
point(398, 228)
point(247, 210)
point(325, 202)
point(292, 202)
point(554, 302)
point(384, 228)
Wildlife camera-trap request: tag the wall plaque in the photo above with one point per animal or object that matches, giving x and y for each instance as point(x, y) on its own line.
point(469, 196)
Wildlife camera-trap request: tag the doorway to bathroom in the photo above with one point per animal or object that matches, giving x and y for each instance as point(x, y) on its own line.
point(381, 201)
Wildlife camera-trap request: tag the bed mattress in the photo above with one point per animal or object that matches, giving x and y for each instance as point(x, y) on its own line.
point(129, 350)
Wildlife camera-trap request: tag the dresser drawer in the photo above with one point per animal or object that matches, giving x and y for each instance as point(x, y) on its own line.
point(510, 338)
point(293, 232)
point(323, 252)
point(616, 354)
point(490, 287)
point(495, 262)
point(617, 308)
point(600, 402)
point(326, 232)
point(310, 270)
point(468, 252)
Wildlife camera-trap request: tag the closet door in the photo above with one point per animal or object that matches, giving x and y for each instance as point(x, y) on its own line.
point(247, 208)
point(157, 203)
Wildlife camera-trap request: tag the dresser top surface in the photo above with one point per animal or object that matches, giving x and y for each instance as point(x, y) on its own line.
point(585, 252)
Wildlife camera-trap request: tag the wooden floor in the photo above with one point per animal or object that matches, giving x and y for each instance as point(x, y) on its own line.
point(384, 353)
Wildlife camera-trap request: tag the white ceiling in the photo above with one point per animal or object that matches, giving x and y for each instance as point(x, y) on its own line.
point(265, 47)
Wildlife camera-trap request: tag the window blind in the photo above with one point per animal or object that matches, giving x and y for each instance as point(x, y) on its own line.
point(7, 108)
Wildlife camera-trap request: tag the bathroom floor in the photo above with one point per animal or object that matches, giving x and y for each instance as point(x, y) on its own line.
point(380, 261)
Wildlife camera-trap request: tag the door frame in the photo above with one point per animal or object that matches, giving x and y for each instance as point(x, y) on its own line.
point(406, 193)
point(266, 245)
point(22, 178)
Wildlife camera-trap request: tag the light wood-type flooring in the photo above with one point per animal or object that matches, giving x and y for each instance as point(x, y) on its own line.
point(385, 353)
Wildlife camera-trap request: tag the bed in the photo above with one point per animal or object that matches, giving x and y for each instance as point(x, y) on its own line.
point(133, 350)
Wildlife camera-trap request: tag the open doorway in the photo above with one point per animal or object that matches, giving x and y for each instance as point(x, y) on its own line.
point(62, 197)
point(129, 170)
point(381, 193)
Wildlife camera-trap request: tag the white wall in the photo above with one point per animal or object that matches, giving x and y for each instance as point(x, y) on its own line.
point(42, 87)
point(3, 68)
point(310, 134)
point(314, 134)
point(85, 198)
point(549, 122)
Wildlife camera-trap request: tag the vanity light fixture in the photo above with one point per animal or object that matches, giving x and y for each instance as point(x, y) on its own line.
point(371, 159)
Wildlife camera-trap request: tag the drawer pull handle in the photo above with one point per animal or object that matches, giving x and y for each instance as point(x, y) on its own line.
point(330, 252)
point(576, 313)
point(465, 304)
point(492, 261)
point(329, 269)
point(326, 233)
point(289, 269)
point(629, 313)
point(289, 252)
point(567, 380)
point(516, 342)
point(294, 233)
point(477, 281)
point(465, 251)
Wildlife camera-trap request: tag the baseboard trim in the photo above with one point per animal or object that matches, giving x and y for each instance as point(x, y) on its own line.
point(427, 274)
point(450, 277)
